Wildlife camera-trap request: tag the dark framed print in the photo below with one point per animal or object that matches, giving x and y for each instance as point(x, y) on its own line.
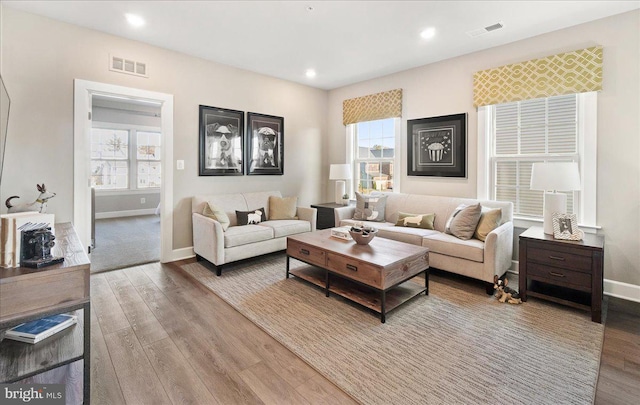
point(437, 146)
point(221, 142)
point(265, 144)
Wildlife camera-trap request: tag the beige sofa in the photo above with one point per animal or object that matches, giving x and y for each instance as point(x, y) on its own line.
point(472, 258)
point(241, 242)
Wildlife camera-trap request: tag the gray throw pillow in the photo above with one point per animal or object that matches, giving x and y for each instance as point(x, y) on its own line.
point(251, 217)
point(370, 207)
point(464, 220)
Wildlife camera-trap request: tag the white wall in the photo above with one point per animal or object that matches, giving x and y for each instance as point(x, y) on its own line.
point(447, 88)
point(40, 58)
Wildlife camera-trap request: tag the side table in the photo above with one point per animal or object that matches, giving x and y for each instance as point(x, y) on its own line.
point(562, 271)
point(326, 216)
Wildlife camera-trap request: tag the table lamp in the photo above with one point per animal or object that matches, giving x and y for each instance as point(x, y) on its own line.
point(552, 177)
point(340, 173)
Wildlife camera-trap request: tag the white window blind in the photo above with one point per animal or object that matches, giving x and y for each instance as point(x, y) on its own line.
point(531, 131)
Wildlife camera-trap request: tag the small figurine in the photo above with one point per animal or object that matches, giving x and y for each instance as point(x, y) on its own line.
point(504, 293)
point(40, 204)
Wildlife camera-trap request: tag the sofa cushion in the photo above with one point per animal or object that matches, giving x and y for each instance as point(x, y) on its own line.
point(251, 217)
point(449, 245)
point(489, 220)
point(286, 227)
point(370, 207)
point(405, 234)
point(424, 221)
point(352, 222)
point(214, 212)
point(246, 234)
point(282, 207)
point(463, 221)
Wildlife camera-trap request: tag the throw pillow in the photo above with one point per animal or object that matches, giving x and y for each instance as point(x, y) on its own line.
point(424, 221)
point(251, 217)
point(370, 207)
point(283, 208)
point(216, 213)
point(489, 220)
point(464, 220)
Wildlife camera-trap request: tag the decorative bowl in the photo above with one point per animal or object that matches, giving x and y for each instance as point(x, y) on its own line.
point(362, 236)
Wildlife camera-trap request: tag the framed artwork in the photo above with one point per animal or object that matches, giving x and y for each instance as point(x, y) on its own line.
point(565, 226)
point(437, 146)
point(265, 144)
point(221, 142)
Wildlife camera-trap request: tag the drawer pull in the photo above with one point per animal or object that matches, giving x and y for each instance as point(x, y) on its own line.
point(556, 274)
point(352, 267)
point(304, 252)
point(557, 258)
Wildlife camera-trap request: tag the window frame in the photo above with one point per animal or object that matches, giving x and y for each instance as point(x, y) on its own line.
point(586, 156)
point(354, 160)
point(132, 158)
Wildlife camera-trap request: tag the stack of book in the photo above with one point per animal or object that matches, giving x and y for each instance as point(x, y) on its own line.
point(35, 331)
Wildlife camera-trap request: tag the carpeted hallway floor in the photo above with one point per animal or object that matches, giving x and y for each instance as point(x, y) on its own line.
point(125, 242)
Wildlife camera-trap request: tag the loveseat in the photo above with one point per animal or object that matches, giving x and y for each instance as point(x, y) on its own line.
point(473, 258)
point(237, 242)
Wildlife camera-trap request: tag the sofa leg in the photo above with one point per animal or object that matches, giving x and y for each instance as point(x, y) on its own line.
point(219, 270)
point(489, 288)
point(199, 258)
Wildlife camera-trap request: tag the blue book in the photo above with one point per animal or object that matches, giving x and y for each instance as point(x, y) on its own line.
point(35, 331)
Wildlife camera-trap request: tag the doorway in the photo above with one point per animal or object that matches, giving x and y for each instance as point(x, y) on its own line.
point(86, 94)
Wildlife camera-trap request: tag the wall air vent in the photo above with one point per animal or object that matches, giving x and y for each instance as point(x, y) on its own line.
point(481, 31)
point(124, 65)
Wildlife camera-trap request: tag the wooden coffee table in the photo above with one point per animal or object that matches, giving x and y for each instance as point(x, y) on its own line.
point(375, 275)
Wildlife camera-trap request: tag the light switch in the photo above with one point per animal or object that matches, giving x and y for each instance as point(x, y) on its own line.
point(180, 164)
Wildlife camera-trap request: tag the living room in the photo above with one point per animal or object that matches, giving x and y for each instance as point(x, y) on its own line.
point(42, 57)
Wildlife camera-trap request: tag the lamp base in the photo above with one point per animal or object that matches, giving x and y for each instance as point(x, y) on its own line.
point(340, 187)
point(553, 202)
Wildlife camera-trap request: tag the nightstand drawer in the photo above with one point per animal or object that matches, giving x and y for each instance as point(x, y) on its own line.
point(559, 276)
point(355, 270)
point(560, 259)
point(309, 254)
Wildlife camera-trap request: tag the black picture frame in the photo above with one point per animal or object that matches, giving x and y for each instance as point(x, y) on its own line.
point(265, 144)
point(437, 146)
point(221, 142)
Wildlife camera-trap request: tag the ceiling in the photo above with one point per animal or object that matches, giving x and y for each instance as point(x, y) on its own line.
point(343, 41)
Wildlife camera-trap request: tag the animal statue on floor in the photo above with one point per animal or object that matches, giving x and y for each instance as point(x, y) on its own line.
point(504, 293)
point(40, 204)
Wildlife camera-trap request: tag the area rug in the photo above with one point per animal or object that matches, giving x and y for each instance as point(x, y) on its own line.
point(455, 346)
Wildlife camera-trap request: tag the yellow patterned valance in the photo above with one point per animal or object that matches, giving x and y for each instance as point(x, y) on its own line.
point(377, 106)
point(572, 72)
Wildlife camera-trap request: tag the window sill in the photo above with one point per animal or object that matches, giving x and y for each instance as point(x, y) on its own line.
point(524, 223)
point(104, 193)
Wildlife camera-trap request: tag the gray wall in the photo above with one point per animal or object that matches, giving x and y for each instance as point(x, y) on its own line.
point(40, 59)
point(446, 88)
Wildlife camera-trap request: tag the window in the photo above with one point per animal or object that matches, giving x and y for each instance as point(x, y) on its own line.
point(374, 154)
point(123, 159)
point(515, 135)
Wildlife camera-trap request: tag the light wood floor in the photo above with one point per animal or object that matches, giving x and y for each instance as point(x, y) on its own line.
point(159, 337)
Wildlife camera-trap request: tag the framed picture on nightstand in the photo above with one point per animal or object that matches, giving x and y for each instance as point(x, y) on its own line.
point(565, 226)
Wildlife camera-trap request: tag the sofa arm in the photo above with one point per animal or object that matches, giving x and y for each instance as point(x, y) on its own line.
point(308, 214)
point(498, 251)
point(342, 213)
point(208, 239)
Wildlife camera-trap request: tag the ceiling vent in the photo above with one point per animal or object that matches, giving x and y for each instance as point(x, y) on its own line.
point(123, 65)
point(481, 31)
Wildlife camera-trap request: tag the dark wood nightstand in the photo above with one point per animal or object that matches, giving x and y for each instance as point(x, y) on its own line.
point(562, 271)
point(326, 216)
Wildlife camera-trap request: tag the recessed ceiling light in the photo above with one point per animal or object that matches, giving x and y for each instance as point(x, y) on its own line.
point(310, 73)
point(428, 33)
point(134, 20)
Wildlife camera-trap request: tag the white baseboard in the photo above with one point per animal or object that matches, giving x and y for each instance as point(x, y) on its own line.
point(625, 291)
point(629, 292)
point(181, 254)
point(127, 213)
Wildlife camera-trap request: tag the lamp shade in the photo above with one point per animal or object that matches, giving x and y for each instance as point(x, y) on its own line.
point(340, 171)
point(556, 176)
